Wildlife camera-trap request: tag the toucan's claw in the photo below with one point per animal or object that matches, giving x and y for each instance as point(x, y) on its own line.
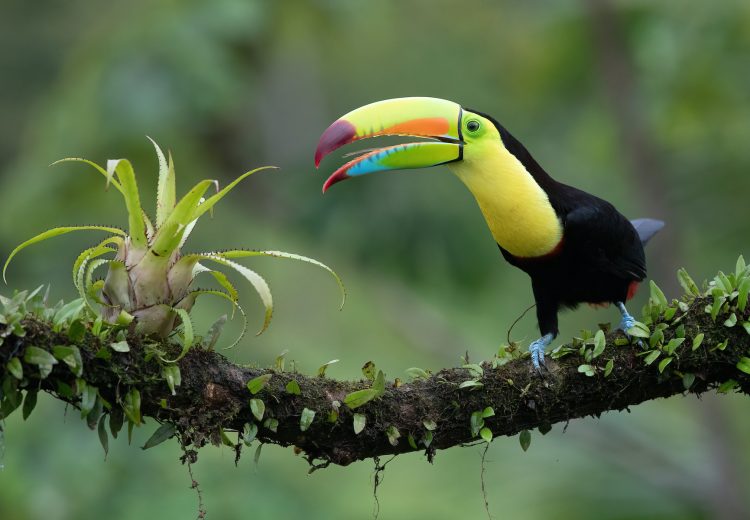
point(627, 322)
point(537, 351)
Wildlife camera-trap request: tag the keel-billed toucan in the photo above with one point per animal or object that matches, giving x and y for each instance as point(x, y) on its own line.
point(575, 247)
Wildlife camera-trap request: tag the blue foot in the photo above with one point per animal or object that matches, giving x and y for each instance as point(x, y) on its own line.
point(627, 321)
point(537, 350)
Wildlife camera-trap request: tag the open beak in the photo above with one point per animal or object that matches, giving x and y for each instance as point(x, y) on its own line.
point(414, 116)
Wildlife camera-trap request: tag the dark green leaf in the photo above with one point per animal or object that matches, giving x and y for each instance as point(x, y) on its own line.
point(272, 424)
point(116, 419)
point(249, 432)
point(525, 439)
point(688, 380)
point(103, 437)
point(71, 356)
point(76, 331)
point(163, 432)
point(29, 403)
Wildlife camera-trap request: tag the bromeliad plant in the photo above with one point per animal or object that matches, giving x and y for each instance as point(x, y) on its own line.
point(149, 279)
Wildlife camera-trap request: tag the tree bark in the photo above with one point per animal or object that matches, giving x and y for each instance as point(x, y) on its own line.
point(214, 396)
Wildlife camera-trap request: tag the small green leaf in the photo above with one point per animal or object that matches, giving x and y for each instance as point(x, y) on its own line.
point(292, 387)
point(743, 364)
point(120, 346)
point(359, 423)
point(88, 397)
point(71, 356)
point(653, 355)
point(163, 432)
point(15, 368)
point(412, 442)
point(727, 386)
point(599, 343)
point(697, 340)
point(429, 424)
point(525, 439)
point(257, 384)
point(587, 369)
point(38, 356)
point(322, 369)
point(663, 363)
point(272, 424)
point(368, 370)
point(742, 294)
point(608, 367)
point(417, 373)
point(172, 376)
point(256, 457)
point(488, 412)
point(673, 344)
point(471, 384)
point(225, 440)
point(379, 384)
point(360, 397)
point(427, 439)
point(393, 435)
point(688, 380)
point(731, 321)
point(476, 370)
point(639, 330)
point(746, 326)
point(258, 408)
point(280, 361)
point(486, 434)
point(740, 266)
point(722, 345)
point(306, 419)
point(132, 406)
point(657, 295)
point(249, 432)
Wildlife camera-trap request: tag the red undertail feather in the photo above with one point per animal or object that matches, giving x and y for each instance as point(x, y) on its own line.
point(632, 288)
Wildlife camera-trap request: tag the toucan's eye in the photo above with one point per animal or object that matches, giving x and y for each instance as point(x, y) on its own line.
point(472, 126)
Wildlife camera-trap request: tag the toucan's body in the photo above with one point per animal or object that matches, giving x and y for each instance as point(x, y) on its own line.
point(577, 248)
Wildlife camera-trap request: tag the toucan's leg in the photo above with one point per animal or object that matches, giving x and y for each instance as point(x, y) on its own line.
point(546, 315)
point(627, 321)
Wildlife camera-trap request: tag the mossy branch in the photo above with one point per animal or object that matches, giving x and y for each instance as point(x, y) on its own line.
point(213, 397)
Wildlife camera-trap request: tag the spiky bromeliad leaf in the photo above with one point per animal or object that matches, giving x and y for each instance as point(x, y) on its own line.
point(100, 249)
point(189, 300)
point(125, 174)
point(166, 191)
point(54, 232)
point(98, 168)
point(241, 253)
point(211, 201)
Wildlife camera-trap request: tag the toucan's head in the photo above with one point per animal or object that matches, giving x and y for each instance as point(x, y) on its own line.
point(459, 136)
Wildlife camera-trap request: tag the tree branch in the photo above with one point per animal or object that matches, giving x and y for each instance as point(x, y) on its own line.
point(214, 397)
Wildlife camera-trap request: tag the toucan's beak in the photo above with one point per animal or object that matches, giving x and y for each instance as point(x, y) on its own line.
point(415, 116)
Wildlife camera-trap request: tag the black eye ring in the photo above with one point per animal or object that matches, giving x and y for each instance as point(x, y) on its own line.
point(472, 126)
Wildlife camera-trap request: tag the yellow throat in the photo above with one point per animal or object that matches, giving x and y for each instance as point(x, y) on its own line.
point(516, 208)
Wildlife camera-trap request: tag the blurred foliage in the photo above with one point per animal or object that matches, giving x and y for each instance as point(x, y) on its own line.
point(232, 84)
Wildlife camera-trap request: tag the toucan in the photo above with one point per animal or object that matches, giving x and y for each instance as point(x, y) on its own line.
point(575, 247)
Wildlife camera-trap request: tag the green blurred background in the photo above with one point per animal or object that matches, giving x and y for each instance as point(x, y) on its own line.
point(643, 103)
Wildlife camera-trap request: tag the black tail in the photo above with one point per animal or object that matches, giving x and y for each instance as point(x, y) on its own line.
point(646, 228)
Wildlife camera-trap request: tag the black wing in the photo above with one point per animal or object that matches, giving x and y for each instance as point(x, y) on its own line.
point(602, 236)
